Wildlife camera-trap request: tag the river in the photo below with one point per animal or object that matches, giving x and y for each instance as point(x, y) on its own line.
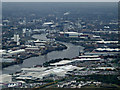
point(70, 52)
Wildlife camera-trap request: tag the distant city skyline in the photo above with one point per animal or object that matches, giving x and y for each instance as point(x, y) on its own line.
point(60, 0)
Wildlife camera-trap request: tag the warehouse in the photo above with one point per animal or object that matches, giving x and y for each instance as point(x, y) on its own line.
point(63, 62)
point(69, 34)
point(107, 49)
point(88, 59)
point(16, 52)
point(40, 73)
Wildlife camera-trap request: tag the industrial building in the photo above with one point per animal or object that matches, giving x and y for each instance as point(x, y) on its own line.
point(32, 48)
point(40, 73)
point(107, 50)
point(88, 58)
point(63, 62)
point(107, 42)
point(2, 52)
point(7, 60)
point(69, 34)
point(73, 35)
point(105, 68)
point(40, 43)
point(10, 52)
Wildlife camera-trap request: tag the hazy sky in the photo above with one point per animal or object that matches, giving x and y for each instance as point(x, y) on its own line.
point(59, 0)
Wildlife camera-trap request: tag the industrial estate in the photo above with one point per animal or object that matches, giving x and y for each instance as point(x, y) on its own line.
point(60, 45)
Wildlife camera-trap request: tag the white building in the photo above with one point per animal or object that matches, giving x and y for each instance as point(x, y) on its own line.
point(16, 52)
point(107, 49)
point(17, 38)
point(24, 30)
point(69, 34)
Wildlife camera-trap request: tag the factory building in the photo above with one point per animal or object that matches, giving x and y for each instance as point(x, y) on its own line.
point(40, 73)
point(16, 52)
point(105, 68)
point(69, 34)
point(74, 35)
point(107, 42)
point(61, 63)
point(2, 52)
point(7, 60)
point(40, 43)
point(107, 50)
point(48, 23)
point(32, 48)
point(88, 58)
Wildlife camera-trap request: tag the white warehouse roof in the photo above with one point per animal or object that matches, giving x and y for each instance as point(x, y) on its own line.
point(88, 59)
point(108, 49)
point(17, 51)
point(61, 62)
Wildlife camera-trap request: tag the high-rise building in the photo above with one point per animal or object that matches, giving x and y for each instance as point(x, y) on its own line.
point(24, 32)
point(27, 32)
point(17, 38)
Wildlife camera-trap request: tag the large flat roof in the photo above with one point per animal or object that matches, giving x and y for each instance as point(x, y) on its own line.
point(60, 71)
point(88, 59)
point(62, 62)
